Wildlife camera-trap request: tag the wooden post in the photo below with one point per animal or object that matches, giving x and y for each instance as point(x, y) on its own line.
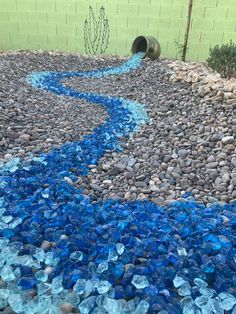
point(185, 46)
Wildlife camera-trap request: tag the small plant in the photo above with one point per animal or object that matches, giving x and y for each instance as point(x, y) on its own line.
point(223, 60)
point(179, 48)
point(96, 32)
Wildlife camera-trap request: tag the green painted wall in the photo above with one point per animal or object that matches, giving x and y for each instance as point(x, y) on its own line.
point(58, 24)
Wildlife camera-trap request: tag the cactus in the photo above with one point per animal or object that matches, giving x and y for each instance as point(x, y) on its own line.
point(96, 32)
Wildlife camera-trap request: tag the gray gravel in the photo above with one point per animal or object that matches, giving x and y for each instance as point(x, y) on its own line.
point(188, 145)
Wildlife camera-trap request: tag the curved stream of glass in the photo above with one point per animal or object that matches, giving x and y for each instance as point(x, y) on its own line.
point(109, 257)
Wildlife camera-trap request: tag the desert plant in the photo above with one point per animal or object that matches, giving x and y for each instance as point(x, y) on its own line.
point(96, 32)
point(223, 59)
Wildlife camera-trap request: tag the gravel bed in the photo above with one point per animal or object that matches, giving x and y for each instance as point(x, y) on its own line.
point(188, 145)
point(33, 120)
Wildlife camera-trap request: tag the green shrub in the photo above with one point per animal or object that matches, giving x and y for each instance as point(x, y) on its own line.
point(223, 60)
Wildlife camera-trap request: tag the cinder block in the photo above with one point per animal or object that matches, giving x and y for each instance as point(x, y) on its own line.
point(198, 12)
point(4, 36)
point(118, 20)
point(171, 11)
point(138, 2)
point(229, 3)
point(231, 13)
point(125, 32)
point(225, 25)
point(62, 43)
point(149, 10)
point(66, 29)
point(83, 7)
point(166, 2)
point(215, 12)
point(75, 43)
point(163, 22)
point(47, 28)
point(26, 5)
point(138, 21)
point(36, 41)
point(68, 5)
point(72, 18)
point(36, 16)
point(195, 35)
point(205, 3)
point(202, 24)
point(58, 18)
point(22, 39)
point(227, 36)
point(128, 9)
point(11, 27)
point(211, 37)
point(4, 17)
point(25, 28)
point(17, 16)
point(8, 5)
point(178, 23)
point(46, 5)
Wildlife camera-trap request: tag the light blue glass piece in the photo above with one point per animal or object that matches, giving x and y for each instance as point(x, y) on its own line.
point(140, 282)
point(73, 298)
point(188, 305)
point(15, 302)
point(15, 223)
point(48, 258)
point(30, 307)
point(103, 287)
point(185, 289)
point(207, 292)
point(200, 283)
point(201, 301)
point(3, 225)
point(142, 307)
point(43, 288)
point(3, 303)
point(4, 293)
point(112, 306)
point(87, 305)
point(2, 209)
point(17, 273)
point(57, 285)
point(80, 286)
point(40, 254)
point(215, 306)
point(182, 251)
point(88, 288)
point(45, 193)
point(178, 281)
point(120, 248)
point(7, 273)
point(12, 165)
point(103, 266)
point(3, 243)
point(44, 305)
point(228, 301)
point(112, 256)
point(99, 311)
point(7, 219)
point(77, 255)
point(41, 276)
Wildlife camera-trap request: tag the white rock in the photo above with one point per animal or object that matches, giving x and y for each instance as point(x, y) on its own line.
point(228, 140)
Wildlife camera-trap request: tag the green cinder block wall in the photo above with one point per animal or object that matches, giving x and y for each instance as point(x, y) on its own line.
point(59, 24)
